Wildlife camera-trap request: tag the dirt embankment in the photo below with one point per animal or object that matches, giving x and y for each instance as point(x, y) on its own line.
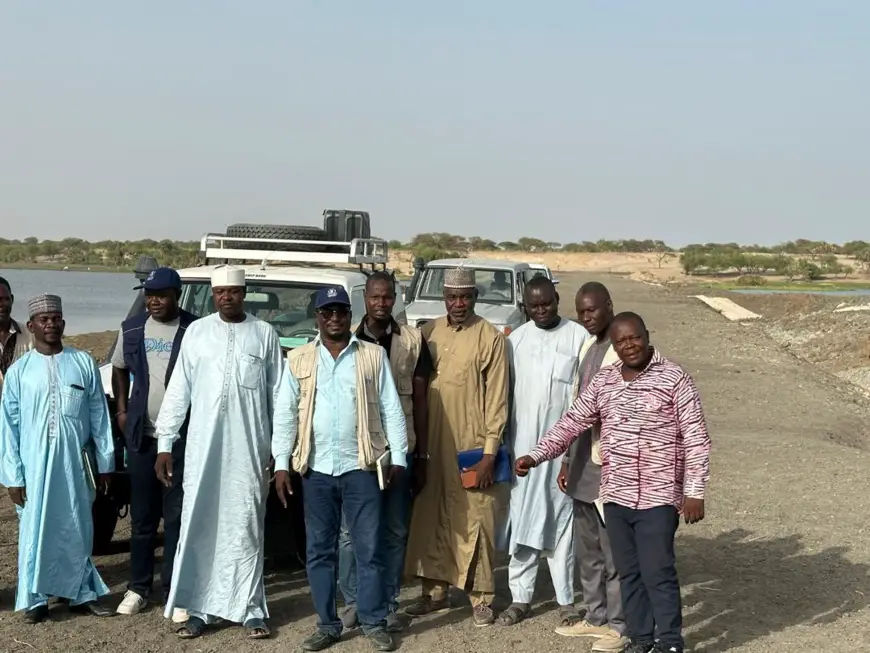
point(96, 344)
point(812, 328)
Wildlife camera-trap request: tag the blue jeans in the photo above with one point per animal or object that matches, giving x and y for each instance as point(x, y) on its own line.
point(395, 511)
point(325, 498)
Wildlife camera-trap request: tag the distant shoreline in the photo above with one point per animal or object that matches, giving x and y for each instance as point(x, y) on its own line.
point(64, 267)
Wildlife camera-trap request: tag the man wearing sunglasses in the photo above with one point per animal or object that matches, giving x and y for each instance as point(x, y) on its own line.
point(337, 412)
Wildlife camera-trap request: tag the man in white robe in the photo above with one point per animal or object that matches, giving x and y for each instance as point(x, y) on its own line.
point(227, 376)
point(544, 361)
point(56, 451)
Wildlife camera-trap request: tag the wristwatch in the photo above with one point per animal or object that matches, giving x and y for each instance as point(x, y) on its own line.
point(421, 456)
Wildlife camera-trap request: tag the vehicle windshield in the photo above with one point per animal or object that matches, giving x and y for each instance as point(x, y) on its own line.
point(287, 306)
point(494, 286)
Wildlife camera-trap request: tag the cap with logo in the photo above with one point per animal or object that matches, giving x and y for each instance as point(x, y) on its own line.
point(161, 279)
point(332, 296)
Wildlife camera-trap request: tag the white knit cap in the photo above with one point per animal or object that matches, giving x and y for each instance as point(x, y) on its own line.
point(224, 276)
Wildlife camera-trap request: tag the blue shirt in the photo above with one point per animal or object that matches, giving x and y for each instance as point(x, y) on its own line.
point(334, 449)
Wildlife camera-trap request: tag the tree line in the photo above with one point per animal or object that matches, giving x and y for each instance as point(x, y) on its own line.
point(797, 259)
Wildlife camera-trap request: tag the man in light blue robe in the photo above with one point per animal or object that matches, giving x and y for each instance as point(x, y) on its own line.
point(544, 362)
point(227, 375)
point(53, 409)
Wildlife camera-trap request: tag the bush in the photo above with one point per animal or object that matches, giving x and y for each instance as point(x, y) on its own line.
point(751, 281)
point(806, 270)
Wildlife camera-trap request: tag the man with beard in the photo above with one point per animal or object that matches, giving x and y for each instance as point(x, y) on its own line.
point(411, 366)
point(655, 465)
point(147, 349)
point(453, 525)
point(543, 358)
point(580, 479)
point(57, 452)
point(226, 376)
point(336, 415)
point(14, 341)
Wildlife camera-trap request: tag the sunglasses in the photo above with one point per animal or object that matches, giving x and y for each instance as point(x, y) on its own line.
point(335, 311)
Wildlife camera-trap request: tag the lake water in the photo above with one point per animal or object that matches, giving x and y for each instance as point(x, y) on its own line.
point(92, 301)
point(858, 292)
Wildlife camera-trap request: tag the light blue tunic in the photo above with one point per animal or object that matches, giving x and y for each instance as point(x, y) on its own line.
point(544, 365)
point(52, 406)
point(227, 374)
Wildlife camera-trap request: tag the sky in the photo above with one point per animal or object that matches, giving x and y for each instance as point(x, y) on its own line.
point(565, 120)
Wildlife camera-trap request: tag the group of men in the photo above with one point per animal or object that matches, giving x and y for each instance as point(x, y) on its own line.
point(403, 438)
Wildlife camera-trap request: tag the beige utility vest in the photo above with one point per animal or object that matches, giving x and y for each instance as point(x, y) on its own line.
point(404, 354)
point(371, 440)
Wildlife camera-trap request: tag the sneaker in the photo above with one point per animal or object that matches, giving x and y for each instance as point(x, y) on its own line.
point(132, 603)
point(319, 641)
point(660, 648)
point(381, 640)
point(349, 617)
point(179, 616)
point(638, 647)
point(612, 641)
point(426, 605)
point(483, 616)
point(583, 629)
point(394, 623)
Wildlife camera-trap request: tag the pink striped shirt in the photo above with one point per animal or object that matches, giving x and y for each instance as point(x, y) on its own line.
point(655, 447)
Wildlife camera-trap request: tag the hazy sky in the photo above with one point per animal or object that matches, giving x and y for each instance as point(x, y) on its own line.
point(566, 120)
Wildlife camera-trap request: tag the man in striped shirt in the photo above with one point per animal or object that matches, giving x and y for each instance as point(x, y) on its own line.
point(654, 467)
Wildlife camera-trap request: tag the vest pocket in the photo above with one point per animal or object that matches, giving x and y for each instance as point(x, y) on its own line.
point(251, 370)
point(71, 400)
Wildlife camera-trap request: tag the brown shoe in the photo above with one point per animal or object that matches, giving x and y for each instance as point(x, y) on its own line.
point(425, 605)
point(483, 616)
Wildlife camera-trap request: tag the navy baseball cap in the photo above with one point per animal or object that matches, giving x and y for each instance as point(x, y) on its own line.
point(161, 279)
point(332, 296)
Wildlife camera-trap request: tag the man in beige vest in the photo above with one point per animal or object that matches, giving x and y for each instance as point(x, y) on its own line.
point(14, 341)
point(336, 414)
point(453, 526)
point(580, 479)
point(411, 363)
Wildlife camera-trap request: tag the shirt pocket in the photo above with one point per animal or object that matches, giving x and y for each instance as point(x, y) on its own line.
point(564, 367)
point(251, 371)
point(71, 401)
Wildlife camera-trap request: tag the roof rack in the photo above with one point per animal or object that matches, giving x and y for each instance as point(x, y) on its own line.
point(359, 251)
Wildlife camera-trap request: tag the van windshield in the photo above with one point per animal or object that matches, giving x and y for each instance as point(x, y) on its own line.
point(289, 307)
point(493, 286)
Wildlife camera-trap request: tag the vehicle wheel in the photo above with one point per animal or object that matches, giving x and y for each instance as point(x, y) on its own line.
point(282, 231)
point(105, 516)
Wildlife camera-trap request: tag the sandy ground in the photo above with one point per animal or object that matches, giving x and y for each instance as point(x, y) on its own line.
point(780, 563)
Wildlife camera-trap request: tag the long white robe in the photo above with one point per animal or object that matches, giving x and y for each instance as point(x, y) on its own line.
point(228, 374)
point(544, 366)
point(53, 406)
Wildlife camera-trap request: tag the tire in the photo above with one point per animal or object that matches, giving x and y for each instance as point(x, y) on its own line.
point(282, 231)
point(105, 516)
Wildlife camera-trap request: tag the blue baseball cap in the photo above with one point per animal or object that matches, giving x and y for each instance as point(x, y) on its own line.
point(161, 279)
point(332, 296)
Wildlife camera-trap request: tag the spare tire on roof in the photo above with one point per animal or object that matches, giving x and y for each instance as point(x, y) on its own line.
point(280, 231)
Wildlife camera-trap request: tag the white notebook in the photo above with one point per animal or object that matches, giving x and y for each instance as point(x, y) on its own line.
point(383, 466)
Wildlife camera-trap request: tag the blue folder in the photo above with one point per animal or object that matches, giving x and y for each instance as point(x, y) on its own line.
point(503, 472)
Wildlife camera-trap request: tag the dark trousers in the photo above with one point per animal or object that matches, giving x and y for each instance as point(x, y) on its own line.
point(395, 520)
point(358, 496)
point(642, 544)
point(149, 502)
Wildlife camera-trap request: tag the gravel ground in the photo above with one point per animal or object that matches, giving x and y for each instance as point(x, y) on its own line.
point(779, 563)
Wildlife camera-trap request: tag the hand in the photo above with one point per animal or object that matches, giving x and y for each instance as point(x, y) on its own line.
point(562, 479)
point(163, 467)
point(484, 470)
point(18, 496)
point(122, 421)
point(104, 482)
point(283, 486)
point(523, 465)
point(418, 476)
point(692, 510)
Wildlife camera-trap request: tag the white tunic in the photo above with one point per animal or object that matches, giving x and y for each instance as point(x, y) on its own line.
point(228, 375)
point(544, 365)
